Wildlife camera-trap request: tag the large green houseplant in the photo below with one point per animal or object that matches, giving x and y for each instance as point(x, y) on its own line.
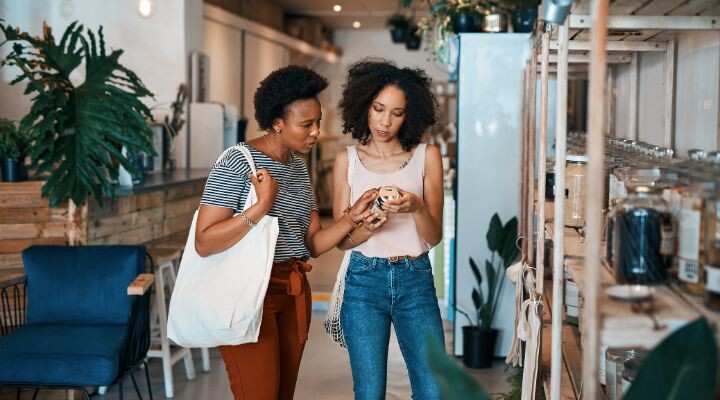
point(479, 337)
point(80, 128)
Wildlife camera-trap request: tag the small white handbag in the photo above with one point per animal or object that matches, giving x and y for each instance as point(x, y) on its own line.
point(218, 300)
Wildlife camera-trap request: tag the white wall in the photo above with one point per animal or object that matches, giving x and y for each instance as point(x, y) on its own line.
point(155, 48)
point(697, 93)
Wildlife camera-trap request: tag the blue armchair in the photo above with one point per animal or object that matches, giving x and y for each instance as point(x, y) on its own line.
point(81, 328)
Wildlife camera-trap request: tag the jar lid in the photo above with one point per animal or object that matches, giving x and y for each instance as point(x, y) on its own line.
point(696, 154)
point(579, 158)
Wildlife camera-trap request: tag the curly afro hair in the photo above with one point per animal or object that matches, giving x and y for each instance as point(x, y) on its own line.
point(282, 87)
point(366, 79)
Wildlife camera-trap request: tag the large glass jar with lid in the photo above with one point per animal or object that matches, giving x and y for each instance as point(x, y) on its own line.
point(639, 223)
point(692, 229)
point(575, 173)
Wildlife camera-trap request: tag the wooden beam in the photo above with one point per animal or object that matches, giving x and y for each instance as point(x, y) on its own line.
point(576, 45)
point(542, 154)
point(561, 104)
point(669, 96)
point(532, 137)
point(659, 7)
point(585, 58)
point(599, 21)
point(680, 23)
point(633, 107)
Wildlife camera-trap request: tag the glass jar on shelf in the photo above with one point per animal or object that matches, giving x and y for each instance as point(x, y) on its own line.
point(575, 173)
point(640, 222)
point(711, 218)
point(692, 230)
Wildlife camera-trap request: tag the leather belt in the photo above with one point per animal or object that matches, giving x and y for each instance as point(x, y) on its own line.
point(295, 283)
point(409, 258)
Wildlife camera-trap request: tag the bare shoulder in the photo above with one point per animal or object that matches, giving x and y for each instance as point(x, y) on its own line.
point(432, 154)
point(341, 157)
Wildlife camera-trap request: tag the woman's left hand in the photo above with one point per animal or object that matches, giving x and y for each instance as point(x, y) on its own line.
point(407, 203)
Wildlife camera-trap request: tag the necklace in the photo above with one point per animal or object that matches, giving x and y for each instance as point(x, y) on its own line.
point(272, 154)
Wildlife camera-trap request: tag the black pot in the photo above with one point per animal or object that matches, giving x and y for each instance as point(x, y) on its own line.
point(524, 19)
point(13, 170)
point(413, 41)
point(463, 22)
point(398, 35)
point(478, 347)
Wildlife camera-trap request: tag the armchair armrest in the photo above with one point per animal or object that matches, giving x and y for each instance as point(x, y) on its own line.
point(140, 285)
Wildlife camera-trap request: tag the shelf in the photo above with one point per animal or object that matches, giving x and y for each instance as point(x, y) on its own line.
point(623, 327)
point(571, 376)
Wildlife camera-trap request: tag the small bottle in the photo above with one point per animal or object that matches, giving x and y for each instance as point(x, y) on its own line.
point(575, 172)
point(692, 229)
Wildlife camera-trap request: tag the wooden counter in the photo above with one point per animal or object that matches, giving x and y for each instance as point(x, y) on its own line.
point(160, 209)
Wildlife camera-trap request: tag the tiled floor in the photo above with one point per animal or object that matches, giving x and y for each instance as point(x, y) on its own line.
point(324, 373)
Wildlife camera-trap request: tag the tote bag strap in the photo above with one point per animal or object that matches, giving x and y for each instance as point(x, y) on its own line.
point(352, 159)
point(252, 196)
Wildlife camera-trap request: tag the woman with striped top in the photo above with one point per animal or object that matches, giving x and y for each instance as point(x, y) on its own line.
point(389, 279)
point(287, 108)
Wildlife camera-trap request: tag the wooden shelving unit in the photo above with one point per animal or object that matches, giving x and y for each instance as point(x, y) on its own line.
point(598, 33)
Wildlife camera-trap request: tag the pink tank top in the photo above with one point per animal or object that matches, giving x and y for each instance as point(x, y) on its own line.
point(399, 236)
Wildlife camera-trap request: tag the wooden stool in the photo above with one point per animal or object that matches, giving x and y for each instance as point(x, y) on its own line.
point(177, 243)
point(165, 280)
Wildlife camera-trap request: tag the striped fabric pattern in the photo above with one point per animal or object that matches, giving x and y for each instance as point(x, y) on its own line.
point(228, 186)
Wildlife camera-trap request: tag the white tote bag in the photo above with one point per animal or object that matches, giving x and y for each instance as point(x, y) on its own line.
point(218, 300)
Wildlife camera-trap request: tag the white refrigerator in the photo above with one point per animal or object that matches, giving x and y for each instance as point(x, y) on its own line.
point(490, 82)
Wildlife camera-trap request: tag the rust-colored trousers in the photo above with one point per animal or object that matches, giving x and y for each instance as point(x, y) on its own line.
point(268, 369)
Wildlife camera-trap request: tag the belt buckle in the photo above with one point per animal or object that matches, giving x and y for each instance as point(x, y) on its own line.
point(394, 258)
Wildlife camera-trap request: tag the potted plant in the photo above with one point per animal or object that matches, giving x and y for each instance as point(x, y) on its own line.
point(80, 129)
point(525, 13)
point(479, 337)
point(172, 126)
point(399, 25)
point(459, 15)
point(414, 38)
point(14, 147)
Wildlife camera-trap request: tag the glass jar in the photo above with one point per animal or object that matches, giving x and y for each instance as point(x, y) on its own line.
point(692, 229)
point(629, 372)
point(575, 172)
point(615, 359)
point(638, 241)
point(712, 250)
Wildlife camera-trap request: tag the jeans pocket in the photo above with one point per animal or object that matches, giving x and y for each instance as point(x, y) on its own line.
point(421, 265)
point(359, 263)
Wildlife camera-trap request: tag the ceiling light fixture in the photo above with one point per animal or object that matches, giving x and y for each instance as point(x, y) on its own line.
point(337, 8)
point(145, 8)
point(357, 24)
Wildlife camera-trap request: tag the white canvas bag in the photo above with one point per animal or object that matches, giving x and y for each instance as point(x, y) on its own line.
point(218, 300)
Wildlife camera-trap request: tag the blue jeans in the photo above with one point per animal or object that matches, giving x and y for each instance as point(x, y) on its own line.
point(379, 292)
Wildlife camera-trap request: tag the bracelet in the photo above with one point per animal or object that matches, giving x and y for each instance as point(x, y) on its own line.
point(247, 220)
point(346, 215)
point(351, 239)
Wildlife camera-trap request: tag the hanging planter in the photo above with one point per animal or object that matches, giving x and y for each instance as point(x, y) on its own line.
point(14, 146)
point(463, 21)
point(399, 25)
point(524, 19)
point(413, 39)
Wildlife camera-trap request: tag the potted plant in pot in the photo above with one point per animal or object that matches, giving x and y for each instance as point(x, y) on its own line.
point(524, 14)
point(414, 38)
point(459, 15)
point(14, 147)
point(399, 25)
point(80, 128)
point(479, 337)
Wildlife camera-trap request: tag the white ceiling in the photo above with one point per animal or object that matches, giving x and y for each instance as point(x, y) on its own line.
point(370, 13)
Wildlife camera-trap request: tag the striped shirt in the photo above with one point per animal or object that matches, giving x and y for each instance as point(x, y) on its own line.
point(228, 186)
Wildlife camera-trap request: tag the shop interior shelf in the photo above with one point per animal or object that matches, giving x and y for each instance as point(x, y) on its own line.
point(624, 325)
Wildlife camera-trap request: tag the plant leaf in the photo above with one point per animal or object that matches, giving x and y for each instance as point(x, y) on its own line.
point(454, 383)
point(683, 366)
point(476, 272)
point(477, 299)
point(491, 280)
point(495, 234)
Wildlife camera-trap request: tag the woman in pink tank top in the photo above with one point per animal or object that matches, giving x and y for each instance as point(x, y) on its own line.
point(389, 278)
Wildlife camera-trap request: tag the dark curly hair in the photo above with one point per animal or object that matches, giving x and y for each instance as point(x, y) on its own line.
point(366, 79)
point(282, 87)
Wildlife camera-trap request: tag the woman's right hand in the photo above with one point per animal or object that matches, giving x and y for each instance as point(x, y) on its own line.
point(266, 188)
point(361, 209)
